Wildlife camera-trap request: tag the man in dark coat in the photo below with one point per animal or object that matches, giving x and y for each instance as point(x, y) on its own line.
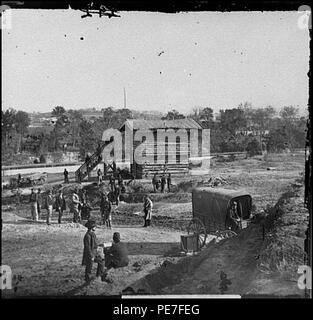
point(234, 219)
point(117, 255)
point(60, 205)
point(99, 174)
point(154, 182)
point(65, 173)
point(85, 208)
point(34, 204)
point(90, 251)
point(117, 194)
point(163, 183)
point(169, 182)
point(39, 202)
point(112, 183)
point(49, 205)
point(19, 179)
point(120, 179)
point(106, 211)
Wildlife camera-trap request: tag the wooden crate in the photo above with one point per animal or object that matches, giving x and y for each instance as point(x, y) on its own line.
point(189, 243)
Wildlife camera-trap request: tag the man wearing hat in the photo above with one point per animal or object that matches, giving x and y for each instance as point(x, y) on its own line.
point(34, 204)
point(49, 205)
point(60, 205)
point(90, 251)
point(117, 255)
point(39, 202)
point(106, 210)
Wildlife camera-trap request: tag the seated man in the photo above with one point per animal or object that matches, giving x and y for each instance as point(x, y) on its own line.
point(235, 218)
point(117, 255)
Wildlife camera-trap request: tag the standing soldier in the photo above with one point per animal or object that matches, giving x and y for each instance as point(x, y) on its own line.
point(117, 194)
point(39, 202)
point(120, 179)
point(18, 196)
point(34, 204)
point(84, 208)
point(76, 203)
point(147, 209)
point(169, 182)
point(83, 197)
point(19, 179)
point(112, 183)
point(65, 173)
point(157, 184)
point(90, 251)
point(154, 182)
point(60, 205)
point(49, 206)
point(114, 166)
point(99, 173)
point(163, 183)
point(106, 210)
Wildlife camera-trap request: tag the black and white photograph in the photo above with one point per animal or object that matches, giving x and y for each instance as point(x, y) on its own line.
point(155, 152)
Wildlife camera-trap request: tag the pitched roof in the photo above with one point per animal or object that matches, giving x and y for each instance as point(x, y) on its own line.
point(186, 123)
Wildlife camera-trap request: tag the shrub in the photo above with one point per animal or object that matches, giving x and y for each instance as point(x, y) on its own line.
point(253, 148)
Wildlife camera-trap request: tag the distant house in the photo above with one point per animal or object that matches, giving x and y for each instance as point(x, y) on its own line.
point(92, 116)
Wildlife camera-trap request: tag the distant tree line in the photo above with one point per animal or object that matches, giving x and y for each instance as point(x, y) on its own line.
point(234, 129)
point(250, 129)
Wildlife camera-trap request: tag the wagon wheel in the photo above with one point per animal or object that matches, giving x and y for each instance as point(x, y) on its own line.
point(197, 227)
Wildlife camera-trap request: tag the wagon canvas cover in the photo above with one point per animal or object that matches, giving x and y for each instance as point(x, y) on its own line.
point(211, 205)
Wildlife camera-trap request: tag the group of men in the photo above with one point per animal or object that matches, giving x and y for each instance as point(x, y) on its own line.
point(113, 186)
point(158, 183)
point(115, 256)
point(38, 202)
point(79, 206)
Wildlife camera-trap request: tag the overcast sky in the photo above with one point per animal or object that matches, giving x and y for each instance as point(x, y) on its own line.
point(164, 61)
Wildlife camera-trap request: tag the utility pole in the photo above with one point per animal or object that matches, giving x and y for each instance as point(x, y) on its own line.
point(124, 98)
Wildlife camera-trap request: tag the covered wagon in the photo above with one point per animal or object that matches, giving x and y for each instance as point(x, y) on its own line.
point(219, 211)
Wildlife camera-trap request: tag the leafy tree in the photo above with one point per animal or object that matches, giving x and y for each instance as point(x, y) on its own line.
point(293, 126)
point(204, 116)
point(75, 118)
point(232, 120)
point(277, 140)
point(22, 122)
point(7, 123)
point(259, 118)
point(58, 111)
point(253, 147)
point(173, 115)
point(88, 140)
point(289, 113)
